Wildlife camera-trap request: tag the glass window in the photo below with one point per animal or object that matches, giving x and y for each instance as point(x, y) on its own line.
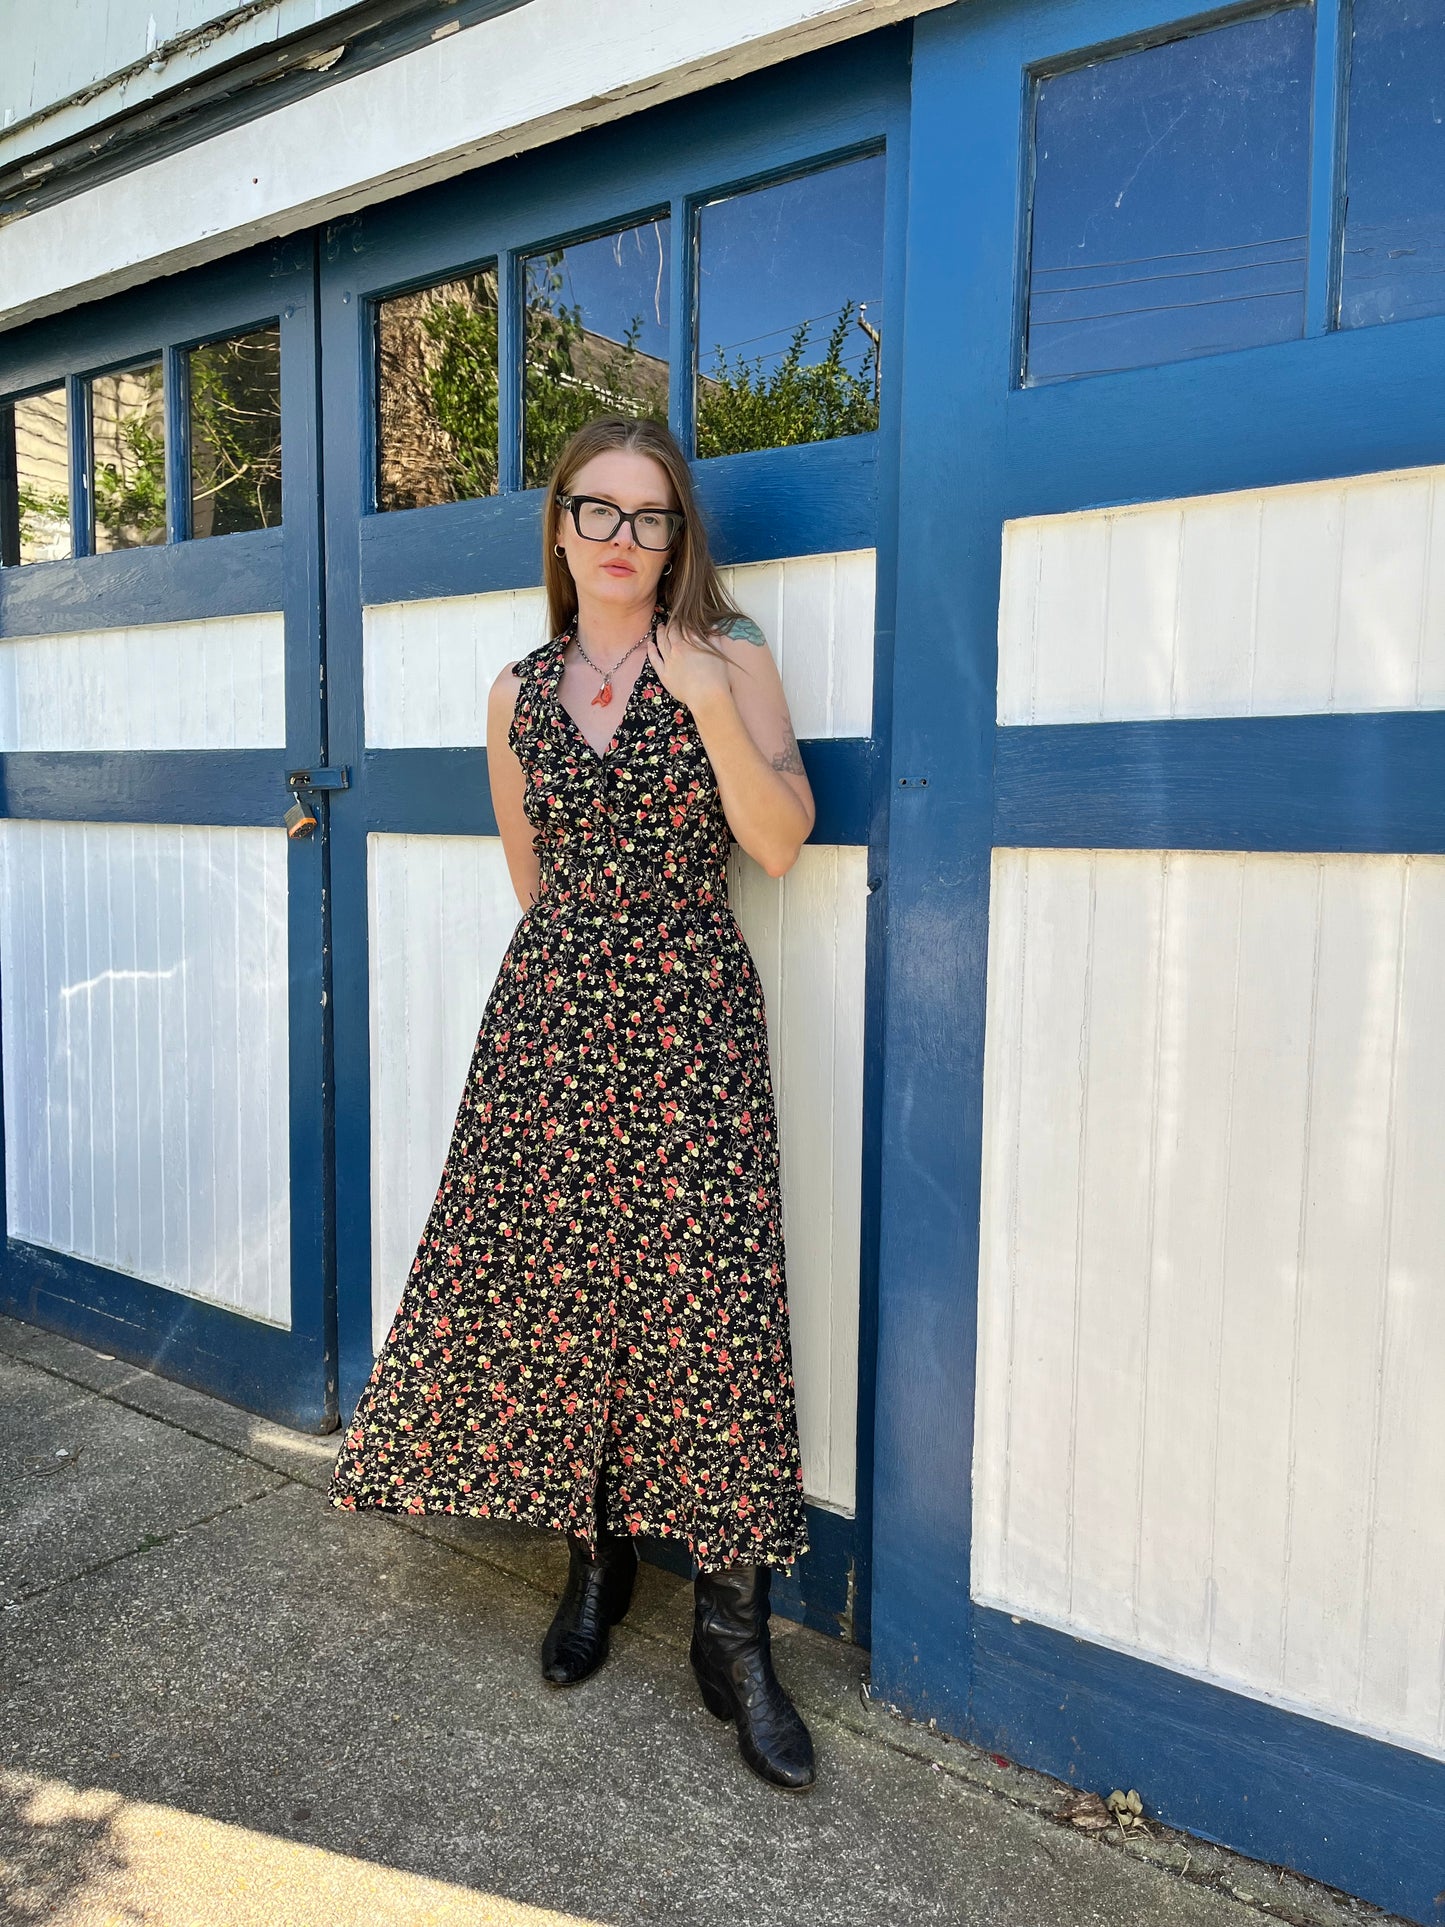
point(1170, 200)
point(790, 311)
point(235, 403)
point(595, 337)
point(1394, 264)
point(437, 402)
point(36, 463)
point(128, 457)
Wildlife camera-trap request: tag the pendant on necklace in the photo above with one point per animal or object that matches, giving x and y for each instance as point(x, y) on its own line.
point(603, 696)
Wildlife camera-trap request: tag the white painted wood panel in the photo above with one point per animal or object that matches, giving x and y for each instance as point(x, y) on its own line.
point(806, 931)
point(215, 684)
point(78, 62)
point(442, 912)
point(428, 665)
point(527, 77)
point(143, 987)
point(1311, 597)
point(817, 612)
point(1212, 1280)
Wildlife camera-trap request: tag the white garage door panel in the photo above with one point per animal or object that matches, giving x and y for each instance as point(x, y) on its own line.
point(1212, 1298)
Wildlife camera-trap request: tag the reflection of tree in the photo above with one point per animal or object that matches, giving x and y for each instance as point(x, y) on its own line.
point(439, 387)
point(130, 487)
point(236, 434)
point(574, 373)
point(739, 406)
point(38, 424)
point(44, 523)
point(438, 365)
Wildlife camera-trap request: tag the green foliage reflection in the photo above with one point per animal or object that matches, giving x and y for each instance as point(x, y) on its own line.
point(574, 373)
point(236, 434)
point(741, 405)
point(128, 458)
point(437, 350)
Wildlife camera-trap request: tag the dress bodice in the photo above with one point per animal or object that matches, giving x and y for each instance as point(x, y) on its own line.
point(642, 818)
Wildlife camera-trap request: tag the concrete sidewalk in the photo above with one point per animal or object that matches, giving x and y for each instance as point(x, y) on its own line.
point(227, 1702)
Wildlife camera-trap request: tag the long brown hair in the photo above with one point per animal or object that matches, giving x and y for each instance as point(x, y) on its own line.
point(691, 591)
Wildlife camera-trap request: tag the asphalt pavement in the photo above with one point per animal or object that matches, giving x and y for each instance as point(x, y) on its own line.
point(228, 1704)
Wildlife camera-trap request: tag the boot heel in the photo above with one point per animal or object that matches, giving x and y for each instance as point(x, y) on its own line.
point(715, 1698)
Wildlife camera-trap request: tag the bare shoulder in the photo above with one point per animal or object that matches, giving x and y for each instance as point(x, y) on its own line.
point(502, 696)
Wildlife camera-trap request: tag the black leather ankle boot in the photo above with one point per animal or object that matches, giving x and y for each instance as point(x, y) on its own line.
point(597, 1594)
point(732, 1657)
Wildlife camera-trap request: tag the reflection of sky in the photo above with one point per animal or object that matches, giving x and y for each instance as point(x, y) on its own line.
point(768, 260)
point(615, 278)
point(780, 255)
point(1169, 199)
point(1395, 230)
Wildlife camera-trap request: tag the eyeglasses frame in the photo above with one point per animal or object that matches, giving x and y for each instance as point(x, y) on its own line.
point(675, 517)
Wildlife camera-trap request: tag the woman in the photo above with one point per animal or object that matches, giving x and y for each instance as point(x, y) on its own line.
point(594, 1335)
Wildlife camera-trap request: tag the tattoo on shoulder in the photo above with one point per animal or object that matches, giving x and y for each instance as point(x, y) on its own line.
point(789, 759)
point(744, 629)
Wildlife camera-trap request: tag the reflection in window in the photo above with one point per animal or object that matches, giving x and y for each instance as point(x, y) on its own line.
point(790, 311)
point(1170, 199)
point(128, 458)
point(437, 403)
point(236, 434)
point(595, 337)
point(1394, 264)
point(35, 460)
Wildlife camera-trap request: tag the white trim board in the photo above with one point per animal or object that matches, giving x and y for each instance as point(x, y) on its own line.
point(68, 70)
point(501, 87)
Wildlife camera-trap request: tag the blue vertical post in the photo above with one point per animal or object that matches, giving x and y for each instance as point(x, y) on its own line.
point(77, 421)
point(961, 241)
point(1327, 165)
point(509, 371)
point(682, 289)
point(176, 387)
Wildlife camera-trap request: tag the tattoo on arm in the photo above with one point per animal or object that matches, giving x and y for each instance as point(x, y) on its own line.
point(744, 629)
point(789, 758)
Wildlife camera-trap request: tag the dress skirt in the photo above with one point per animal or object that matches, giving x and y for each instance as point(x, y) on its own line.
point(597, 1314)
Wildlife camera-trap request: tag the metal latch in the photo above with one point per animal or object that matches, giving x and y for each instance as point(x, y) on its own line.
point(300, 818)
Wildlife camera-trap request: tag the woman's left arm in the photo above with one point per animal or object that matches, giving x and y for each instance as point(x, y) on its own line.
point(741, 713)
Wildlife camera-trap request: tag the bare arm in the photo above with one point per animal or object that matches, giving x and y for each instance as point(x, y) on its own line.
point(747, 732)
point(509, 784)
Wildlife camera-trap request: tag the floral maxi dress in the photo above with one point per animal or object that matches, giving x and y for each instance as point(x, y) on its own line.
point(597, 1308)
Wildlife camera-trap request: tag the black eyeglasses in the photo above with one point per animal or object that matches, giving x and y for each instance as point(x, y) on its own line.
point(598, 520)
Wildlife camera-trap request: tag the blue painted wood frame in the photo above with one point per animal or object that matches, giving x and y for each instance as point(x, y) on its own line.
point(287, 1374)
point(831, 496)
point(977, 449)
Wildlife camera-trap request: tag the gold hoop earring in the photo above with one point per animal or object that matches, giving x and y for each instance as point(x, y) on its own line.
point(668, 569)
point(558, 550)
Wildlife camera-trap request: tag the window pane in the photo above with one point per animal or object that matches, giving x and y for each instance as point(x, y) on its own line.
point(596, 337)
point(236, 434)
point(790, 311)
point(128, 458)
point(437, 408)
point(1170, 199)
point(37, 515)
point(1394, 263)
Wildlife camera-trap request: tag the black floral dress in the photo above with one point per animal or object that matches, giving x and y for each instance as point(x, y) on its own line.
point(598, 1297)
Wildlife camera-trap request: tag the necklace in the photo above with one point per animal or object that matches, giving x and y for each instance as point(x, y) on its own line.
point(604, 694)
